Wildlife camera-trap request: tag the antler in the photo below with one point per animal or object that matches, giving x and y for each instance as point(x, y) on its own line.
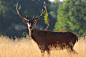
point(42, 12)
point(18, 10)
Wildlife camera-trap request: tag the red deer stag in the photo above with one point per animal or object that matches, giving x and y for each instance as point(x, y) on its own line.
point(45, 38)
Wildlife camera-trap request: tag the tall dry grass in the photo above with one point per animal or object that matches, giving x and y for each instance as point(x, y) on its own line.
point(28, 48)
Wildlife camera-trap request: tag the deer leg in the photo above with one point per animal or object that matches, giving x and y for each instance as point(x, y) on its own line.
point(71, 50)
point(42, 53)
point(48, 51)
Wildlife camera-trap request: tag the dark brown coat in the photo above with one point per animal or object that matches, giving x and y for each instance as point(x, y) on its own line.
point(45, 38)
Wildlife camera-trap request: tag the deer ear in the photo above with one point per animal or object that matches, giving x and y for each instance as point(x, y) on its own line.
point(25, 20)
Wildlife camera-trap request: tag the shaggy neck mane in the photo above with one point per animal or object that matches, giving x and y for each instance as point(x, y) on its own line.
point(34, 34)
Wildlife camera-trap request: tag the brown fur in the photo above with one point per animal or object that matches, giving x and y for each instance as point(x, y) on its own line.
point(45, 38)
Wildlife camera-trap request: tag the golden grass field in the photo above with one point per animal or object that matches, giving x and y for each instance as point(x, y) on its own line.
point(28, 48)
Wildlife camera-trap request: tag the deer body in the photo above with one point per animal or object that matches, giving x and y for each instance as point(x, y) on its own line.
point(46, 38)
point(50, 37)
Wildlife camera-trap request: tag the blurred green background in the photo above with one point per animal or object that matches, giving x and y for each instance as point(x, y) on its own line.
point(69, 15)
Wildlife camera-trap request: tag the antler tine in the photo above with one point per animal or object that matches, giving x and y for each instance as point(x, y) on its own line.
point(18, 10)
point(26, 16)
point(33, 18)
point(44, 10)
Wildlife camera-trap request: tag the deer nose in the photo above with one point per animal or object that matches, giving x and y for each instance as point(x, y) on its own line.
point(30, 27)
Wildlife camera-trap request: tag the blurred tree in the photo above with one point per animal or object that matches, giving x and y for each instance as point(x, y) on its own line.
point(54, 7)
point(71, 17)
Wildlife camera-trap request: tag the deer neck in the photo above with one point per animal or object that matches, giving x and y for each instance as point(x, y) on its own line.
point(33, 32)
point(34, 35)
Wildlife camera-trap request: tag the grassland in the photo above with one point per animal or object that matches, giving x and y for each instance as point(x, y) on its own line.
point(28, 48)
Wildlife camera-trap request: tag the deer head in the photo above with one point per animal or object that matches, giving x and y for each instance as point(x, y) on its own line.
point(31, 23)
